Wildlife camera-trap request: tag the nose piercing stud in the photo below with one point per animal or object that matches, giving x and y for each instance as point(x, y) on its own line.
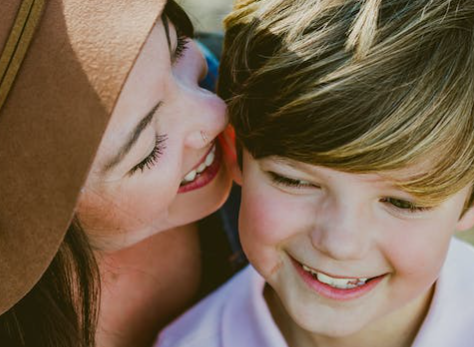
point(204, 136)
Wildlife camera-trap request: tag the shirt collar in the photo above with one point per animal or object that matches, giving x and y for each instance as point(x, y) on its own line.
point(247, 320)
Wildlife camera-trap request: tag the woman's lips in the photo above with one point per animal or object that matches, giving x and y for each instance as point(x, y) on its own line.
point(354, 291)
point(204, 172)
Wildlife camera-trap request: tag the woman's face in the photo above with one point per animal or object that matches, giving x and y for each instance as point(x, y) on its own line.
point(159, 165)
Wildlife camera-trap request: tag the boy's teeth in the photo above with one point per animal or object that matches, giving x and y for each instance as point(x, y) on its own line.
point(191, 176)
point(340, 283)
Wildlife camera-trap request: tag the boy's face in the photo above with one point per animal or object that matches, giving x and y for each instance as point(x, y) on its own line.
point(297, 219)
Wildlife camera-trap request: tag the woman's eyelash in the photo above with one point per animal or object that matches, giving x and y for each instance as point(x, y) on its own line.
point(151, 158)
point(181, 44)
point(404, 205)
point(290, 182)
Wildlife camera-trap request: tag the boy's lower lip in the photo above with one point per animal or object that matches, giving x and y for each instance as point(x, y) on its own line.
point(332, 293)
point(206, 176)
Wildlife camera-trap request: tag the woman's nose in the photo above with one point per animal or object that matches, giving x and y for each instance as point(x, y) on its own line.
point(196, 62)
point(209, 119)
point(207, 112)
point(342, 233)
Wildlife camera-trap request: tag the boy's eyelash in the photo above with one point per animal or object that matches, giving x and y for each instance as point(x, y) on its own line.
point(151, 158)
point(404, 205)
point(181, 44)
point(400, 204)
point(289, 182)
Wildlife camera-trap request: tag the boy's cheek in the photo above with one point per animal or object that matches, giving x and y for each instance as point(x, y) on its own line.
point(264, 215)
point(264, 226)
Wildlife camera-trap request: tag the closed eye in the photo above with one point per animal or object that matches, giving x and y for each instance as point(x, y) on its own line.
point(151, 158)
point(404, 205)
point(289, 182)
point(181, 46)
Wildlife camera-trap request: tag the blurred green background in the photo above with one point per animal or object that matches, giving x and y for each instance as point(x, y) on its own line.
point(468, 236)
point(207, 16)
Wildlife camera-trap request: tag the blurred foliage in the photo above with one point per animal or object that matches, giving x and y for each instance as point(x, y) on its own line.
point(467, 236)
point(207, 15)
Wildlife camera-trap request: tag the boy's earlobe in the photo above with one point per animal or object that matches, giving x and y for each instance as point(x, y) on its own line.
point(237, 174)
point(466, 221)
point(227, 142)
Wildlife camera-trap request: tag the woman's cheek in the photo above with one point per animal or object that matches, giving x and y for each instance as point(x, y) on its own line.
point(123, 208)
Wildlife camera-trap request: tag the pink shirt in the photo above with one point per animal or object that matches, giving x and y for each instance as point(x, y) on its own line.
point(236, 315)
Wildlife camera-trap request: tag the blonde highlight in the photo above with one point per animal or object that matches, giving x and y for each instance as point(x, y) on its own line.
point(359, 86)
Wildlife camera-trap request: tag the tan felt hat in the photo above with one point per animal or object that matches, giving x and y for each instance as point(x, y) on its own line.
point(63, 64)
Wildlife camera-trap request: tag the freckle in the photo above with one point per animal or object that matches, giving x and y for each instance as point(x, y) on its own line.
point(114, 276)
point(110, 277)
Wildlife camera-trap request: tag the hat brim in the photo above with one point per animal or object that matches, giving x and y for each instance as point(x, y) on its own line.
point(52, 123)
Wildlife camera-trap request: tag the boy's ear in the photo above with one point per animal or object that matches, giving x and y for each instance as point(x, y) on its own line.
point(467, 220)
point(237, 174)
point(227, 142)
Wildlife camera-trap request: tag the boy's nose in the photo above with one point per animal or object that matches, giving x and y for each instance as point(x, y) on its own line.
point(342, 234)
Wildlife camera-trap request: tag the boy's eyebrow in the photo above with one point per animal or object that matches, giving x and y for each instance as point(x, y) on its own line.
point(132, 138)
point(313, 169)
point(292, 163)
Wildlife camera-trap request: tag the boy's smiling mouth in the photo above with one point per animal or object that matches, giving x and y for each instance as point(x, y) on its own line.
point(336, 282)
point(335, 287)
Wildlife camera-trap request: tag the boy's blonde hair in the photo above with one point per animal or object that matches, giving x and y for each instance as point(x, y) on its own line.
point(358, 86)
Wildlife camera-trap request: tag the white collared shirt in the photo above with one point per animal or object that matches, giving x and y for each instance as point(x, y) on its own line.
point(236, 315)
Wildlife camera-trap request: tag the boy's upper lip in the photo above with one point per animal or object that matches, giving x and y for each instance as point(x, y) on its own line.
point(333, 275)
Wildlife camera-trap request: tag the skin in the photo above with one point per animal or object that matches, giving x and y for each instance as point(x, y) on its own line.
point(141, 227)
point(345, 225)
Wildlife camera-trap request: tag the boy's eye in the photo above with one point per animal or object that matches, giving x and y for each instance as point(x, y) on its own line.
point(404, 205)
point(289, 182)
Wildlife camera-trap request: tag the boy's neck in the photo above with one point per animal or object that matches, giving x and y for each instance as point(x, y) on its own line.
point(396, 330)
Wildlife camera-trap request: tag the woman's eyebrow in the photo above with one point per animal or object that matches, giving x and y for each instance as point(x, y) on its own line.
point(132, 139)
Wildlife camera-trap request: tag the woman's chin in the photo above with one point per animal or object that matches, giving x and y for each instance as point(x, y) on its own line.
point(197, 204)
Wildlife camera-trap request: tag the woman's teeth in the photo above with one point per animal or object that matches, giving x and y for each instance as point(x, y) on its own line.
point(340, 283)
point(191, 176)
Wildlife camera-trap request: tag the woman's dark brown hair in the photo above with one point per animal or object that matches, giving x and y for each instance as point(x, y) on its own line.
point(61, 310)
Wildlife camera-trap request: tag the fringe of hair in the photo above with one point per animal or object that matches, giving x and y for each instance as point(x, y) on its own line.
point(359, 86)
